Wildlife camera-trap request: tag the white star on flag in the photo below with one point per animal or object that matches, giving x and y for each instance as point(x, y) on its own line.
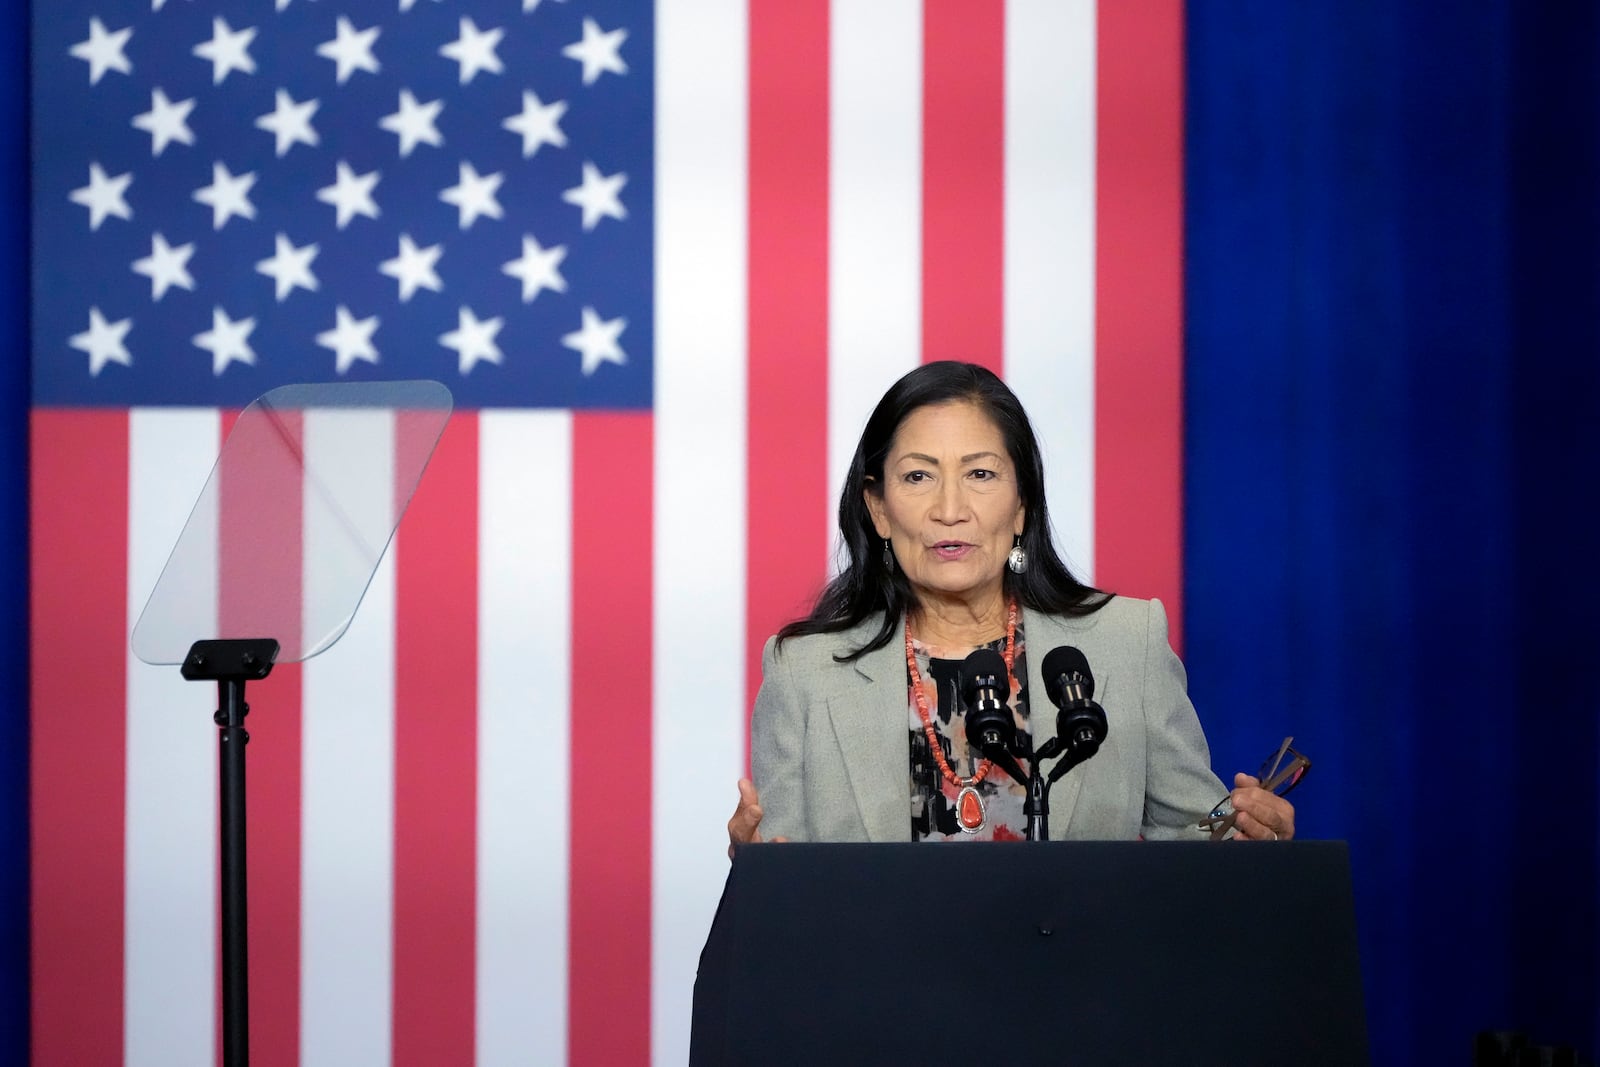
point(597, 341)
point(228, 194)
point(166, 266)
point(103, 342)
point(413, 123)
point(598, 196)
point(350, 194)
point(598, 51)
point(474, 50)
point(473, 340)
point(351, 49)
point(538, 268)
point(166, 121)
point(289, 267)
point(474, 195)
point(103, 51)
point(538, 123)
point(413, 267)
point(227, 51)
point(531, 5)
point(103, 196)
point(350, 339)
point(227, 341)
point(289, 122)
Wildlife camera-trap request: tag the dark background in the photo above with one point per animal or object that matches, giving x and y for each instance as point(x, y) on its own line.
point(1393, 413)
point(13, 531)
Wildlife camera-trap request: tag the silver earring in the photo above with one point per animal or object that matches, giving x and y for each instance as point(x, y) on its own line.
point(888, 556)
point(1018, 559)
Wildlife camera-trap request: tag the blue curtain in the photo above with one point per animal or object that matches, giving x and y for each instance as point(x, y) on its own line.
point(1392, 462)
point(13, 530)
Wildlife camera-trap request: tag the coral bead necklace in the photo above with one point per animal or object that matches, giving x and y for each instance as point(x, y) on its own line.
point(971, 814)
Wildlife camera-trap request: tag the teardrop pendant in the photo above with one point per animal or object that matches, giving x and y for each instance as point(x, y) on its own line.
point(970, 813)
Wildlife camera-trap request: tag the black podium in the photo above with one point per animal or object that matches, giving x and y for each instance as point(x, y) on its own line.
point(1061, 953)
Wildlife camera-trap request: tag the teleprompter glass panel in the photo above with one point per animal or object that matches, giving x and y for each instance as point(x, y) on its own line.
point(298, 510)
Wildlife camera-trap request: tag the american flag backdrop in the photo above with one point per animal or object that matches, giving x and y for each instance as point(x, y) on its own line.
point(666, 257)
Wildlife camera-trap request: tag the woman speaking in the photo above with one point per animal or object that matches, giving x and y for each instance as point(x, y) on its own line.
point(857, 732)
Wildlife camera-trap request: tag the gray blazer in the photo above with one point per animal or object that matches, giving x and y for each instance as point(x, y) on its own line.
point(830, 745)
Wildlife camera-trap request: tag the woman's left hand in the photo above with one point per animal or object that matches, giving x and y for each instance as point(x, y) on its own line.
point(1262, 815)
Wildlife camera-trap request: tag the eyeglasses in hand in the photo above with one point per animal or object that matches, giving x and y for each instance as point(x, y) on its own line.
point(1280, 773)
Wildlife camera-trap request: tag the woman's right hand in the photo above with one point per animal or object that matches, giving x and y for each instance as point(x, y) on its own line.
point(745, 826)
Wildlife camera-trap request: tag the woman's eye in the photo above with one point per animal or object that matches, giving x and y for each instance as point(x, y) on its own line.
point(983, 475)
point(916, 477)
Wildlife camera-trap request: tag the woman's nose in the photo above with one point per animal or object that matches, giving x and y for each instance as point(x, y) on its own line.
point(950, 504)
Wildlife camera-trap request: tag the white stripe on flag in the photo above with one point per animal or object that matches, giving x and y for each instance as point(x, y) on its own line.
point(170, 967)
point(875, 217)
point(347, 790)
point(700, 424)
point(524, 732)
point(1050, 249)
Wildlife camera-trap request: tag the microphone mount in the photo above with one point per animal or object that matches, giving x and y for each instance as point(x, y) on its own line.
point(1080, 724)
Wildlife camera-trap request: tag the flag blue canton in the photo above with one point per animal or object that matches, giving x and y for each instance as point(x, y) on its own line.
point(229, 197)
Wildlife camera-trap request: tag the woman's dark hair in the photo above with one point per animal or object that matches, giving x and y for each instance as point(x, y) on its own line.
point(866, 588)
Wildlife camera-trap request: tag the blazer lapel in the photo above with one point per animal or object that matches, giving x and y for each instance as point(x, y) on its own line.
point(873, 736)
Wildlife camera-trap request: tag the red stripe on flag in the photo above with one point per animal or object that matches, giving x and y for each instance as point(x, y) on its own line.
point(78, 597)
point(963, 182)
point(1139, 304)
point(259, 556)
point(436, 708)
point(786, 548)
point(608, 960)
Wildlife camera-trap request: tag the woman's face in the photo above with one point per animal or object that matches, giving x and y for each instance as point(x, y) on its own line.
point(949, 503)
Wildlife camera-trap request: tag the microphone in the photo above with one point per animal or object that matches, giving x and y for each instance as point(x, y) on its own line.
point(985, 685)
point(1067, 676)
point(1080, 722)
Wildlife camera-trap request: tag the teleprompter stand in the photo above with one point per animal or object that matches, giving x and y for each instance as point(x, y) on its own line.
point(246, 587)
point(230, 664)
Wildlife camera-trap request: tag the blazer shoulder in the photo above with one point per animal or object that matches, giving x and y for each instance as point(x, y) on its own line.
point(1124, 626)
point(816, 650)
point(1130, 612)
point(1117, 616)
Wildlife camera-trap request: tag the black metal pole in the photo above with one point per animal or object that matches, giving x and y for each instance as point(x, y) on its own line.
point(1037, 806)
point(235, 917)
point(230, 663)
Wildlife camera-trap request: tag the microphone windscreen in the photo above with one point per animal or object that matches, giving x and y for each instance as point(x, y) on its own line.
point(983, 664)
point(1061, 665)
